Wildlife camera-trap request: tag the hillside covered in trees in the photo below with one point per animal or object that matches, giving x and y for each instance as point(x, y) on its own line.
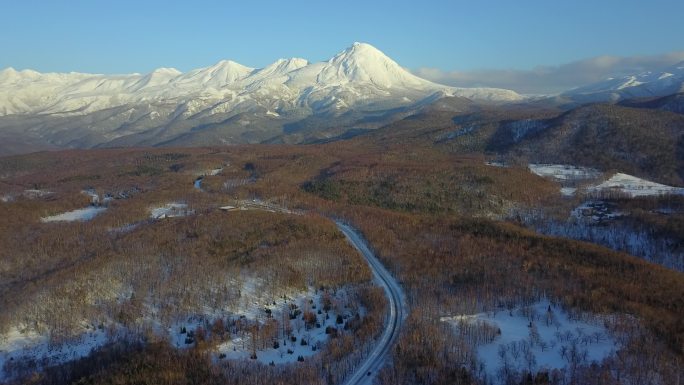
point(185, 258)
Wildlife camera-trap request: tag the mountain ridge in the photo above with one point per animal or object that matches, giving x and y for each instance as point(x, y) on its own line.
point(647, 84)
point(289, 101)
point(31, 92)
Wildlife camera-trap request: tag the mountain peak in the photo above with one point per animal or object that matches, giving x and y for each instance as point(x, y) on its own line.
point(218, 75)
point(363, 63)
point(166, 71)
point(359, 76)
point(363, 46)
point(10, 74)
point(363, 50)
point(231, 66)
point(7, 73)
point(285, 65)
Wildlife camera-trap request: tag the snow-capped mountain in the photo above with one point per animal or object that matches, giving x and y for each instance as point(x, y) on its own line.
point(227, 102)
point(642, 85)
point(357, 75)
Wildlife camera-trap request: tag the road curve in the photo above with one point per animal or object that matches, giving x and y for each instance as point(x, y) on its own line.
point(376, 359)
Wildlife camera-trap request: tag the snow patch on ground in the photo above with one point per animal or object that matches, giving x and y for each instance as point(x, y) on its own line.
point(215, 171)
point(85, 214)
point(564, 172)
point(170, 210)
point(94, 197)
point(496, 164)
point(33, 193)
point(27, 350)
point(596, 212)
point(288, 347)
point(273, 343)
point(538, 337)
point(635, 187)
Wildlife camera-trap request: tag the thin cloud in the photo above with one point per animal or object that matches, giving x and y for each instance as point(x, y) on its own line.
point(553, 79)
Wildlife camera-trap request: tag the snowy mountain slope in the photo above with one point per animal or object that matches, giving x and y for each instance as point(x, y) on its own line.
point(357, 74)
point(642, 85)
point(226, 102)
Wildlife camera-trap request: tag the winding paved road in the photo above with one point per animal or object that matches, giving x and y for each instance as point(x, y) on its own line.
point(376, 359)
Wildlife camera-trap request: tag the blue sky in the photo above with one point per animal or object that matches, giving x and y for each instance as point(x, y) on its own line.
point(138, 36)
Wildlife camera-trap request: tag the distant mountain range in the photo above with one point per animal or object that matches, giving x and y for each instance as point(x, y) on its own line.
point(642, 85)
point(289, 101)
point(225, 103)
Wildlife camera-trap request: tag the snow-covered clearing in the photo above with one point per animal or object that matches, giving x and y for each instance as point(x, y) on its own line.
point(538, 337)
point(297, 339)
point(85, 214)
point(273, 329)
point(170, 210)
point(27, 350)
point(305, 315)
point(635, 187)
point(568, 176)
point(564, 172)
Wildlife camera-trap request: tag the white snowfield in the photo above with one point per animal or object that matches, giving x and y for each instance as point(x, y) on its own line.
point(541, 336)
point(359, 75)
point(635, 187)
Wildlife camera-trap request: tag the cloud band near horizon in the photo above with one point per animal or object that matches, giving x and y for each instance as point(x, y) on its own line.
point(554, 79)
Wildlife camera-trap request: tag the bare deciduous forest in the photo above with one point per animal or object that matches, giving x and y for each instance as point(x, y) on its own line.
point(440, 222)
